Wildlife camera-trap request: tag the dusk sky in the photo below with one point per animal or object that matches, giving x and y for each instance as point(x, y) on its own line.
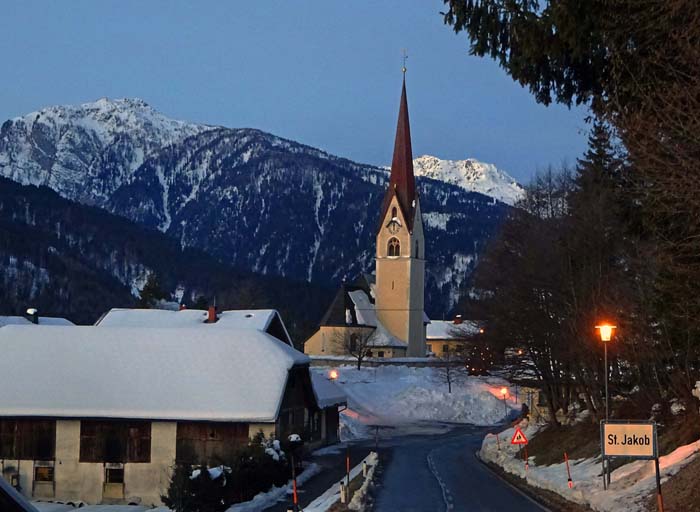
point(327, 74)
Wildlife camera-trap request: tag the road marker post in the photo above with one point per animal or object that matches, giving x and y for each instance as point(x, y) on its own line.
point(568, 471)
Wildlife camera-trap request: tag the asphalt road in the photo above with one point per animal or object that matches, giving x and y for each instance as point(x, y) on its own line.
point(434, 473)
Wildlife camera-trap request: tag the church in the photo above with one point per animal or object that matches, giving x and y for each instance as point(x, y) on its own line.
point(384, 312)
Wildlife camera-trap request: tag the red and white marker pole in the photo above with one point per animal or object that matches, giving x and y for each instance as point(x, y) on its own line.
point(568, 471)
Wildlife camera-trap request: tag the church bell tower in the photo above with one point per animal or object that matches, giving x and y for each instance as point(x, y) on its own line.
point(400, 256)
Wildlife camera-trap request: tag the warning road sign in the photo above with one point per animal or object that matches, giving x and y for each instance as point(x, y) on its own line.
point(518, 437)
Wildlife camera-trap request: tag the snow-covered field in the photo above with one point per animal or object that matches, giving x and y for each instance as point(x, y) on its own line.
point(630, 484)
point(401, 396)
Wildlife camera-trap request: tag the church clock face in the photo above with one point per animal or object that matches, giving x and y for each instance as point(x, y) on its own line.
point(394, 227)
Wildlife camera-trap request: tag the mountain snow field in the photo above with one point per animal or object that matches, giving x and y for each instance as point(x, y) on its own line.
point(400, 396)
point(471, 175)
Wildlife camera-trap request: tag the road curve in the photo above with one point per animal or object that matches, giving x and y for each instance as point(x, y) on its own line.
point(435, 473)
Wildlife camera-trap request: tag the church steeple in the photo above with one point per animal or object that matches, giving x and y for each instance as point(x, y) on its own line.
point(402, 182)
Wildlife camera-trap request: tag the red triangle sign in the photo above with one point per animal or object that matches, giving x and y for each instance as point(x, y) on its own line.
point(518, 437)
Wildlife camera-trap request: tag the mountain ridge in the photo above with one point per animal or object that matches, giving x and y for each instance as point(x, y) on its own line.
point(251, 199)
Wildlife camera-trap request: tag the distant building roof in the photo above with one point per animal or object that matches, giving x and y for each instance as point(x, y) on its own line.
point(448, 329)
point(43, 320)
point(327, 393)
point(156, 373)
point(265, 320)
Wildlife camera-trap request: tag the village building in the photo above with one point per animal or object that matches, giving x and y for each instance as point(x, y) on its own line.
point(390, 304)
point(33, 318)
point(265, 320)
point(445, 336)
point(102, 414)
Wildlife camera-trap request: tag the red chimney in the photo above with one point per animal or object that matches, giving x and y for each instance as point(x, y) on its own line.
point(458, 319)
point(212, 315)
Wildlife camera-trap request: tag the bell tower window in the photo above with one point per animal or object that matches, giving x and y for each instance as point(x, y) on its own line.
point(417, 254)
point(393, 247)
point(393, 212)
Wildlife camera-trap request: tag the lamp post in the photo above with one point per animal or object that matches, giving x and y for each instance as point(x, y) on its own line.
point(606, 332)
point(504, 394)
point(333, 375)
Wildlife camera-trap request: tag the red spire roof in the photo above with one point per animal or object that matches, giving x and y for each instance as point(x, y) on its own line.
point(402, 182)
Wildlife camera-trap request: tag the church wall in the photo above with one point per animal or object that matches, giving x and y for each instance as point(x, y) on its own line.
point(324, 342)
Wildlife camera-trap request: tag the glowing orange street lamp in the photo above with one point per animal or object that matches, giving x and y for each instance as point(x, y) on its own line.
point(333, 374)
point(606, 332)
point(504, 394)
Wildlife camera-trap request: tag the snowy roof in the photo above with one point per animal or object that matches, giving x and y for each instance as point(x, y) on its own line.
point(447, 329)
point(383, 338)
point(327, 393)
point(43, 320)
point(364, 309)
point(110, 372)
point(259, 319)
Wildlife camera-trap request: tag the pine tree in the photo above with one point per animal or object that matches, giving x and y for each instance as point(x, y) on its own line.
point(152, 292)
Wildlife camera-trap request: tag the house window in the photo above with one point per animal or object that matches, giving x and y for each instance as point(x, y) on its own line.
point(115, 441)
point(353, 342)
point(209, 442)
point(27, 439)
point(380, 353)
point(114, 475)
point(43, 474)
point(394, 247)
point(429, 347)
point(445, 348)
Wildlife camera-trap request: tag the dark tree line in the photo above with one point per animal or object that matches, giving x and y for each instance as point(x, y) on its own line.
point(621, 237)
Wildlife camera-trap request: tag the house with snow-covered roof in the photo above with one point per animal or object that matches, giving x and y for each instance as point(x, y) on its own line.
point(264, 320)
point(101, 414)
point(33, 318)
point(444, 336)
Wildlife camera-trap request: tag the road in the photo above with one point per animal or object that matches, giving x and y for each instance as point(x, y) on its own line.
point(434, 473)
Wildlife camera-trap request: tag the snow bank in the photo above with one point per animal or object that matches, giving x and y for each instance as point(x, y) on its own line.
point(401, 395)
point(630, 484)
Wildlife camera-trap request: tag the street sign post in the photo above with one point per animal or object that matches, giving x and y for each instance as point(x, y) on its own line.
point(520, 439)
point(634, 440)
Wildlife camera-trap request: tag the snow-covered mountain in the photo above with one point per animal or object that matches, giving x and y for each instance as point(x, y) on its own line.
point(86, 152)
point(471, 175)
point(251, 199)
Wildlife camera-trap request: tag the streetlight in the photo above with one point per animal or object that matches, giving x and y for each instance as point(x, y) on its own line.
point(504, 394)
point(606, 332)
point(333, 375)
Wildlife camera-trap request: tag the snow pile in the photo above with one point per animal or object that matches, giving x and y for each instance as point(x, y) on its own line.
point(332, 495)
point(471, 175)
point(359, 498)
point(401, 395)
point(630, 485)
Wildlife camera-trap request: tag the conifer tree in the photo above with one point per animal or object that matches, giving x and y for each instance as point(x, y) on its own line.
point(152, 292)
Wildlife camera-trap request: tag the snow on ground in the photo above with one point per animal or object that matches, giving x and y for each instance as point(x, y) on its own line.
point(403, 396)
point(630, 484)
